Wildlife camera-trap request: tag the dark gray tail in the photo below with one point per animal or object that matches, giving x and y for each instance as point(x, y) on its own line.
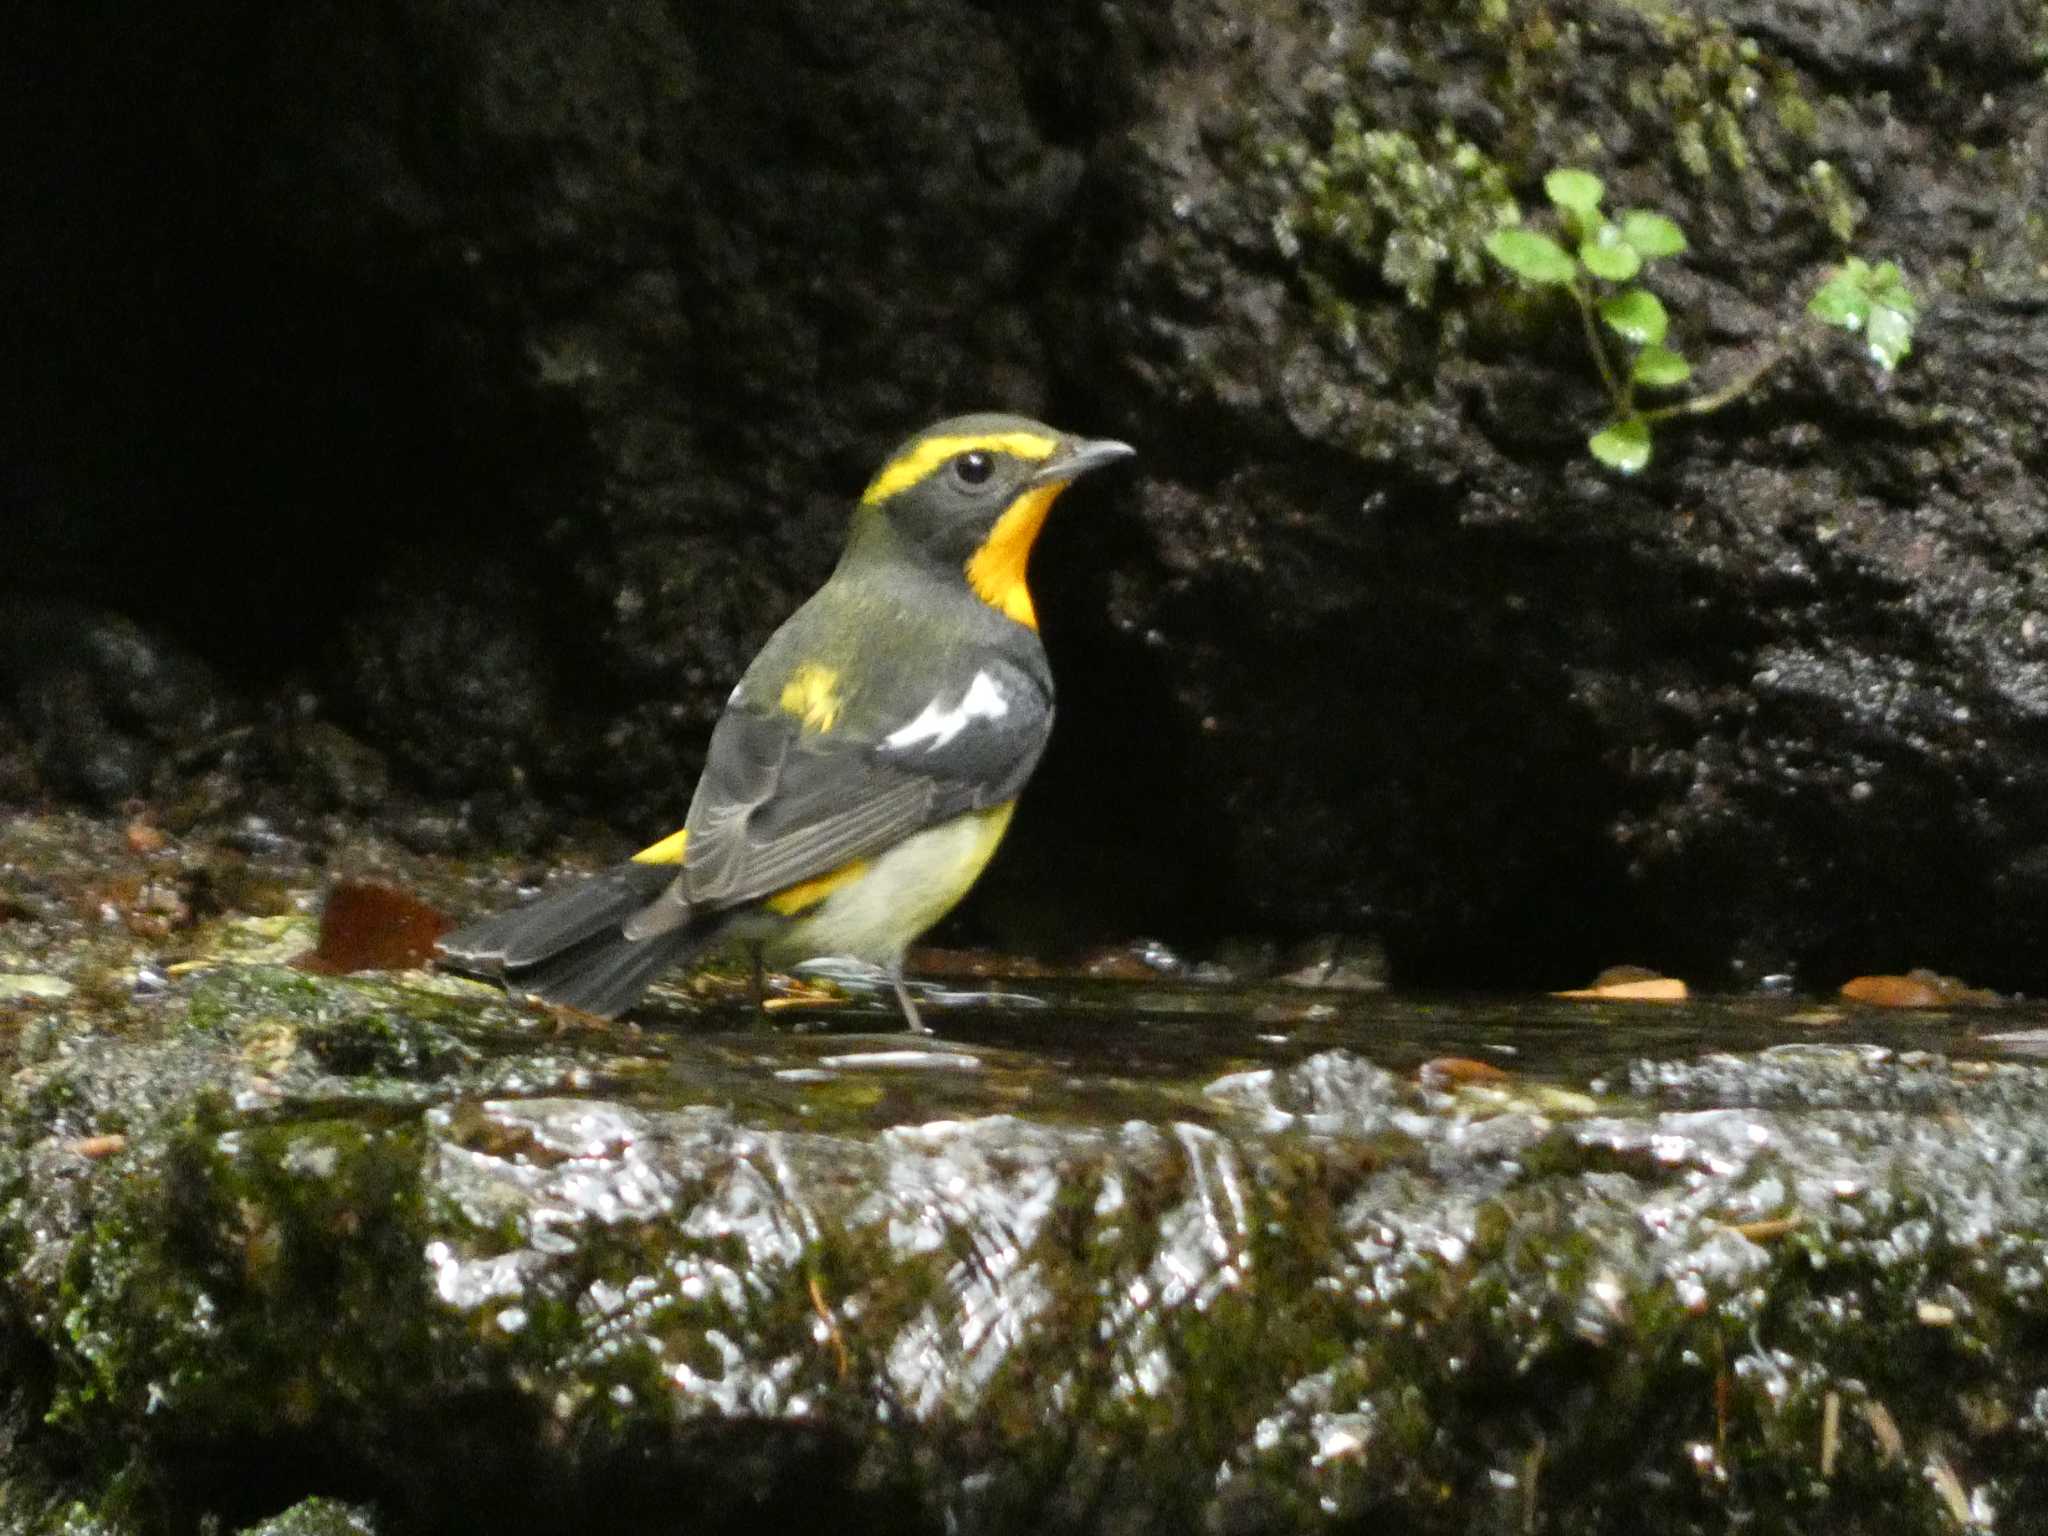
point(570, 947)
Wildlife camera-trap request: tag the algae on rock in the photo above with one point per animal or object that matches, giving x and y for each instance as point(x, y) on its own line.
point(1132, 1261)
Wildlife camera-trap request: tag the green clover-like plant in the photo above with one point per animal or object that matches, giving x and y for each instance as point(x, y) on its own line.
point(1873, 300)
point(1624, 444)
point(1598, 258)
point(1606, 255)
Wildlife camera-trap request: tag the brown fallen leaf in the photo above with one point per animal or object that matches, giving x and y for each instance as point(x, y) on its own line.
point(804, 999)
point(1446, 1071)
point(1770, 1227)
point(931, 960)
point(1885, 1429)
point(1115, 965)
point(1630, 984)
point(1918, 988)
point(143, 837)
point(824, 1311)
point(368, 927)
point(1139, 960)
point(1892, 992)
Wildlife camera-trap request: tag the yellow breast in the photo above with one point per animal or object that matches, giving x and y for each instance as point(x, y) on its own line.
point(878, 913)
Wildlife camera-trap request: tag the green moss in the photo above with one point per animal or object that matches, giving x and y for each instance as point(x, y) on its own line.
point(25, 1512)
point(1833, 201)
point(1377, 202)
point(370, 1027)
point(387, 1043)
point(1797, 115)
point(1410, 212)
point(210, 1285)
point(227, 1001)
point(1717, 99)
point(317, 1517)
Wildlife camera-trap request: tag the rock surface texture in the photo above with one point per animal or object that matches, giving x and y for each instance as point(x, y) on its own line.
point(385, 1254)
point(480, 385)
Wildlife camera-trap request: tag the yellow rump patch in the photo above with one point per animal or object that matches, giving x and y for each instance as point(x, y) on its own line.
point(812, 695)
point(921, 458)
point(808, 893)
point(668, 851)
point(996, 570)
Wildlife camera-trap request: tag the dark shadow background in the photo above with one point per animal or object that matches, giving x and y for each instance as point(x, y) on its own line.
point(485, 388)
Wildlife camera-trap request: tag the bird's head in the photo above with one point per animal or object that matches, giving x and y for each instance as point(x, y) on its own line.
point(971, 494)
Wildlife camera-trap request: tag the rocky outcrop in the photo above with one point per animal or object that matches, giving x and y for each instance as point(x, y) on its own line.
point(1773, 703)
point(614, 311)
point(1157, 1256)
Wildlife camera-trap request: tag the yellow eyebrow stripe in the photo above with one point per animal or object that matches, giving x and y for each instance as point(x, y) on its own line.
point(911, 466)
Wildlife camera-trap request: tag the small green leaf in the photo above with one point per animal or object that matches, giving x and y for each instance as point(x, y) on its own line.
point(1635, 316)
point(1898, 296)
point(1873, 300)
point(1623, 444)
point(1608, 256)
point(1578, 191)
point(1532, 257)
point(1660, 368)
point(1651, 234)
point(1889, 335)
point(1840, 302)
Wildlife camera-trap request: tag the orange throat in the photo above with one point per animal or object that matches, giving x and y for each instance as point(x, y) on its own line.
point(996, 570)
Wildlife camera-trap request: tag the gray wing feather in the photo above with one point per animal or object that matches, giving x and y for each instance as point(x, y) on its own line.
point(986, 762)
point(776, 806)
point(813, 813)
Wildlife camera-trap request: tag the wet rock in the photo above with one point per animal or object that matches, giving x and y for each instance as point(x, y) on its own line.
point(442, 668)
point(1290, 1297)
point(318, 1517)
point(1147, 1264)
point(333, 770)
point(748, 331)
point(101, 702)
point(1343, 963)
point(15, 988)
point(1701, 654)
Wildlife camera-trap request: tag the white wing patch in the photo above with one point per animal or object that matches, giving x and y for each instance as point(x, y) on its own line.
point(982, 701)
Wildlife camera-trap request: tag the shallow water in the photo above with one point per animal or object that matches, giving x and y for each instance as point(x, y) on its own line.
point(1148, 1027)
point(1092, 1049)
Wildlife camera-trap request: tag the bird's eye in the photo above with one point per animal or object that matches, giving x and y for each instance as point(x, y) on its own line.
point(974, 467)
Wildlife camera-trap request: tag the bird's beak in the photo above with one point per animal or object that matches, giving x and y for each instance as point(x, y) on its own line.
point(1076, 460)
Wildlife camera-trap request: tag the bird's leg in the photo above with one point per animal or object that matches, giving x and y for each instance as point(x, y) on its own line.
point(759, 982)
point(907, 1003)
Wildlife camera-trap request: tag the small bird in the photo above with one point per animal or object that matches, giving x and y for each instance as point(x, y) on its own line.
point(866, 766)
